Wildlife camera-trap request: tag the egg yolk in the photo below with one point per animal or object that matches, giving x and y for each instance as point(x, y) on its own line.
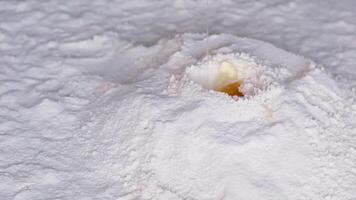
point(227, 80)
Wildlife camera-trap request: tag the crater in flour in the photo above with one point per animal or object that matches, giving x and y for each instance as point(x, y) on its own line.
point(237, 75)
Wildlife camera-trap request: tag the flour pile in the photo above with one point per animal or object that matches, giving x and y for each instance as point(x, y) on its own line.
point(177, 139)
point(178, 100)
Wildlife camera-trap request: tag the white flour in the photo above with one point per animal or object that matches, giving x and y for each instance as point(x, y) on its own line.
point(116, 99)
